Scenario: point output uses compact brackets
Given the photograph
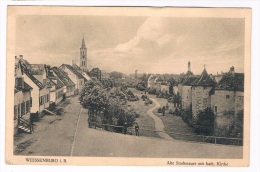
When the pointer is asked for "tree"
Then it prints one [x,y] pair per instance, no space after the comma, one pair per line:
[108,83]
[105,105]
[238,125]
[95,72]
[116,75]
[204,123]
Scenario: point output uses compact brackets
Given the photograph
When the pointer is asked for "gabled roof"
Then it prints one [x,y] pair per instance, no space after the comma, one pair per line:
[35,81]
[49,83]
[204,80]
[25,67]
[78,75]
[231,82]
[63,77]
[57,84]
[189,80]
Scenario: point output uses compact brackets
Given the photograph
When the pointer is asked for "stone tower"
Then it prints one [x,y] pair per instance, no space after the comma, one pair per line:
[189,70]
[83,56]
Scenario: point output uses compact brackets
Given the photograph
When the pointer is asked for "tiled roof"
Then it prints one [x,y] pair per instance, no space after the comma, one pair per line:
[204,80]
[25,65]
[231,82]
[79,75]
[59,83]
[63,77]
[189,80]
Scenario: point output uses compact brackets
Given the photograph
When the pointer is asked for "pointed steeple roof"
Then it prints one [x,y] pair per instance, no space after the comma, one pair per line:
[204,80]
[83,43]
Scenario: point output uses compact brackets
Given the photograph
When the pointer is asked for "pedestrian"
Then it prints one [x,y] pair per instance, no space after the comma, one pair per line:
[163,110]
[136,129]
[125,127]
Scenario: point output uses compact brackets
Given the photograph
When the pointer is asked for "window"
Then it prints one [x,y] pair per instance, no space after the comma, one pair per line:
[41,100]
[205,101]
[47,98]
[22,108]
[27,106]
[15,112]
[19,110]
[30,101]
[227,96]
[216,109]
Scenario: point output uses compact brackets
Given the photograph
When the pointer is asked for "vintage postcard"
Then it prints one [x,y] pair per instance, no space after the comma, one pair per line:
[131,86]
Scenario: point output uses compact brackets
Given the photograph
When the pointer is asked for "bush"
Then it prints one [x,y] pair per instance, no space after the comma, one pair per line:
[144,97]
[187,116]
[159,110]
[204,123]
[152,91]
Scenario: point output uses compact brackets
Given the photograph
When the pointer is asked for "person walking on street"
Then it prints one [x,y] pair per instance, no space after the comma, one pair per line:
[136,129]
[125,127]
[163,110]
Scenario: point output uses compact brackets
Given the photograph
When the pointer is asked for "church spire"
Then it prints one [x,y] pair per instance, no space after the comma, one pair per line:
[83,42]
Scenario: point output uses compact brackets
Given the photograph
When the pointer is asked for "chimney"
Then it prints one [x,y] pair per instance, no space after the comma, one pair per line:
[21,56]
[232,70]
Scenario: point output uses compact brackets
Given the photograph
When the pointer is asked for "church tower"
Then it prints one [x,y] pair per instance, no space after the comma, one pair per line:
[83,56]
[189,72]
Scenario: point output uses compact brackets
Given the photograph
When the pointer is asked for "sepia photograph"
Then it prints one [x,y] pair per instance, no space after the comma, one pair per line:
[128,86]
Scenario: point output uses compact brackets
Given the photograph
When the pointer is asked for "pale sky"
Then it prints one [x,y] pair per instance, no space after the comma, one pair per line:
[126,44]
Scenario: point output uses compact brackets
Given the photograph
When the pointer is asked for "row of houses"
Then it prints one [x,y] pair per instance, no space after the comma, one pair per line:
[37,86]
[222,93]
[160,85]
